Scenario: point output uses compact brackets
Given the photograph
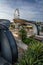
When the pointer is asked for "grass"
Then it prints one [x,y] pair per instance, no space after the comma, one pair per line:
[33,55]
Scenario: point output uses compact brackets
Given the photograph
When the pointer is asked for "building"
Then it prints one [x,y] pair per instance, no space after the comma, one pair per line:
[32,27]
[29,26]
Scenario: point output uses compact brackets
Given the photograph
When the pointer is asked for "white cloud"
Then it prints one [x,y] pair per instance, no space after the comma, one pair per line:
[28,10]
[6,12]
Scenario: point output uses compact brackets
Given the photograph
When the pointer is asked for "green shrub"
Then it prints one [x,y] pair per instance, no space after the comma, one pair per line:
[34,54]
[29,40]
[23,34]
[12,26]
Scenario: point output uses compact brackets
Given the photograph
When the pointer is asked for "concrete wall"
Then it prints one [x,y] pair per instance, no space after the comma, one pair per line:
[34,29]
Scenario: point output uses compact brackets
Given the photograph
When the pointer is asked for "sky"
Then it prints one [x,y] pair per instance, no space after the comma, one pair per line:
[29,9]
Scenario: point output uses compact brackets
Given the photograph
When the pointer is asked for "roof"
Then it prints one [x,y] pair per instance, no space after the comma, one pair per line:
[23,21]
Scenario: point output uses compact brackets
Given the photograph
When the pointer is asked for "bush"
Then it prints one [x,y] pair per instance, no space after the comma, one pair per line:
[23,34]
[29,40]
[12,26]
[34,54]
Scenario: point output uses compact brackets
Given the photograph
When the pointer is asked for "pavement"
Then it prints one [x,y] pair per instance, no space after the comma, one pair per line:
[19,42]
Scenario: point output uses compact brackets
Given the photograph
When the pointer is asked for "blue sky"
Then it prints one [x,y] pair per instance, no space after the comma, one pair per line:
[29,9]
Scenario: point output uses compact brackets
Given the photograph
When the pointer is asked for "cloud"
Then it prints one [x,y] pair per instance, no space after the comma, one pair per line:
[29,9]
[6,12]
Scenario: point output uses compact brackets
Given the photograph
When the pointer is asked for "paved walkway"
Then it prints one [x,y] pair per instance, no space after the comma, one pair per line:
[21,46]
[19,42]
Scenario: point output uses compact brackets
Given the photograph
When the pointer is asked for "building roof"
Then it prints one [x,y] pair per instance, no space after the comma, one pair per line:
[23,21]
